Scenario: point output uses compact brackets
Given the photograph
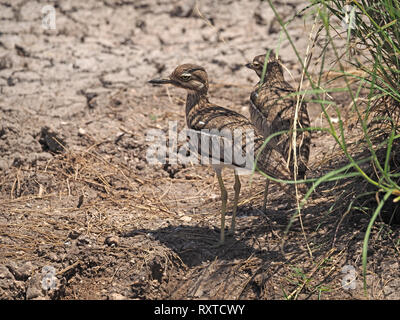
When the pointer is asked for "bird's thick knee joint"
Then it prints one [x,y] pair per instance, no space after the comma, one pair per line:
[224,194]
[237,186]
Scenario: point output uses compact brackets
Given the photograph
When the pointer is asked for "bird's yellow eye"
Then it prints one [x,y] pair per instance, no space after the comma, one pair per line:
[186,76]
[256,64]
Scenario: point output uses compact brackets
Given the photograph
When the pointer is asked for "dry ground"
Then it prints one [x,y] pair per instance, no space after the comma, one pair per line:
[106,224]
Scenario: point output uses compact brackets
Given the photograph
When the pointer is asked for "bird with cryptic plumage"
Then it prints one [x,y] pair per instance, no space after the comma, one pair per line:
[201,114]
[272,109]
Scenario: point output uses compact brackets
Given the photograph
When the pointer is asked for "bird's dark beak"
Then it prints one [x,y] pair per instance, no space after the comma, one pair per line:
[160,81]
[249,65]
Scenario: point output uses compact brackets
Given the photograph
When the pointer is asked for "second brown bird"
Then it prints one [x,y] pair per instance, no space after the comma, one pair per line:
[273,110]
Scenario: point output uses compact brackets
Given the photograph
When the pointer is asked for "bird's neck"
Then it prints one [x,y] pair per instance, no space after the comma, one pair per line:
[194,102]
[277,79]
[273,76]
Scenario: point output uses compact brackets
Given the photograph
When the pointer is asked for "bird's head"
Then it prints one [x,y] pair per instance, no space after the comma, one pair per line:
[274,65]
[187,76]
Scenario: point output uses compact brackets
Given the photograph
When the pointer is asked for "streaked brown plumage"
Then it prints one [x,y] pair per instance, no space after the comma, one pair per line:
[271,110]
[202,114]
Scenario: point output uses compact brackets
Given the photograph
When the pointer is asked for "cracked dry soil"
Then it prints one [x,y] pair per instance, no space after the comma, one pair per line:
[82,213]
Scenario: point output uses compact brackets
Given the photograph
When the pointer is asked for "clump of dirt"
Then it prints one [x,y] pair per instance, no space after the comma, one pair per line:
[83,215]
[50,141]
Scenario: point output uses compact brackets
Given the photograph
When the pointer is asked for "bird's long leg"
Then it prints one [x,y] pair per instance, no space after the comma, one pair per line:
[224,198]
[236,187]
[265,196]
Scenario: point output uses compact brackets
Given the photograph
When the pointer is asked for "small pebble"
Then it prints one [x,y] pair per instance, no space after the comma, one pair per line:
[81,131]
[112,241]
[186,219]
[116,296]
[73,234]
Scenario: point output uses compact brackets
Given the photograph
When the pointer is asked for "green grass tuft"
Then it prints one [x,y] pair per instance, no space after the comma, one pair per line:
[364,38]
